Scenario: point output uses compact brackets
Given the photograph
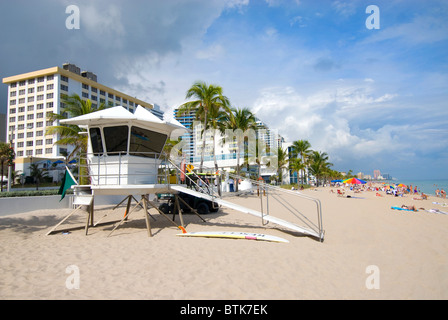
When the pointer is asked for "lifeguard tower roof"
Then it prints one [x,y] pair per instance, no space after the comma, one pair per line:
[125,148]
[116,115]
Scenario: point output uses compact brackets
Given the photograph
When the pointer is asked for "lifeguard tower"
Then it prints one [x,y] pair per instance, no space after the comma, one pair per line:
[125,153]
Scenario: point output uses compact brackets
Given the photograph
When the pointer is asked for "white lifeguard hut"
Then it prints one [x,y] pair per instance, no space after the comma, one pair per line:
[125,148]
[124,156]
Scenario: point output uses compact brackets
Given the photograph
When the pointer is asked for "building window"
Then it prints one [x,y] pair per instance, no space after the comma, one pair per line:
[40,79]
[30,90]
[39,142]
[48,141]
[30,117]
[64,87]
[40,88]
[39,133]
[102,92]
[64,78]
[29,152]
[22,92]
[31,99]
[49,104]
[12,93]
[50,77]
[50,86]
[31,81]
[13,110]
[29,134]
[85,86]
[38,151]
[14,85]
[20,135]
[12,102]
[22,83]
[12,119]
[20,144]
[40,106]
[39,125]
[94,89]
[21,118]
[49,95]
[30,108]
[20,153]
[48,150]
[21,109]
[22,100]
[85,95]
[40,97]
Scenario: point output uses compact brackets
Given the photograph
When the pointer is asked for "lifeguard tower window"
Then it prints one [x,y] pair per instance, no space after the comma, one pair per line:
[95,139]
[116,139]
[146,143]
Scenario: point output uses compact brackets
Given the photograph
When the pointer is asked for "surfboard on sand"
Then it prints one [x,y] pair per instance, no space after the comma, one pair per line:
[233,235]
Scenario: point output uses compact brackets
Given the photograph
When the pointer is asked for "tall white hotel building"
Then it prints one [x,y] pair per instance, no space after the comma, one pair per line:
[33,95]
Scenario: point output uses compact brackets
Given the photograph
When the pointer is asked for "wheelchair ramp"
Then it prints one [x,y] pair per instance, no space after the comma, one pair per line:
[243,209]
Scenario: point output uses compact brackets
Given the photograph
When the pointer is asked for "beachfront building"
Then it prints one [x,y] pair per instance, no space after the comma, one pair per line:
[224,148]
[34,95]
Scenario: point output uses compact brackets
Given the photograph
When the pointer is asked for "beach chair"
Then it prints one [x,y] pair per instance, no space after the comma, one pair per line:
[340,193]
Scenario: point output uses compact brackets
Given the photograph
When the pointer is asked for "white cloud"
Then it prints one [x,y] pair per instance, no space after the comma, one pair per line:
[212,52]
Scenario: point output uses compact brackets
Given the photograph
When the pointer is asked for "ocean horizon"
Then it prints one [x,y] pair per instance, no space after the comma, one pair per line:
[428,186]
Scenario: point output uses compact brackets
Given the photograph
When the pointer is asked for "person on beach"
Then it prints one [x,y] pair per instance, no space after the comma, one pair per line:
[231,185]
[443,194]
[437,192]
[409,207]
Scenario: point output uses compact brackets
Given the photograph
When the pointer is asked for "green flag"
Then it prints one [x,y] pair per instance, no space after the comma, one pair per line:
[67,182]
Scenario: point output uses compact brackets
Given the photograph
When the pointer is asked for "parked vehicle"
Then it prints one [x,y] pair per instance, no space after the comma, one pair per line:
[202,206]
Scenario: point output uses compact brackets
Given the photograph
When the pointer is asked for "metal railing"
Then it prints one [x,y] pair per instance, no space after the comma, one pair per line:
[267,190]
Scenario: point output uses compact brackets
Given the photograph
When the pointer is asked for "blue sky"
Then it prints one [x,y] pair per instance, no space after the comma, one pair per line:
[370,98]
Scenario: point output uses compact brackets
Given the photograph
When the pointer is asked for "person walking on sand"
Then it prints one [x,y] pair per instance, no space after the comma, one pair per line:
[437,192]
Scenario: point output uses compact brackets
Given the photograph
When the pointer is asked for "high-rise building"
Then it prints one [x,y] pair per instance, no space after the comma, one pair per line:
[34,95]
[376,174]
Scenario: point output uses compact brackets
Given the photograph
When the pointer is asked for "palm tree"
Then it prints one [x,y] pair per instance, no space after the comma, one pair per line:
[302,150]
[296,165]
[319,164]
[207,97]
[70,134]
[4,154]
[282,162]
[244,120]
[38,174]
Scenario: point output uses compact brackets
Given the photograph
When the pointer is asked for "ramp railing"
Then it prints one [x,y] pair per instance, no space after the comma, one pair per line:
[266,190]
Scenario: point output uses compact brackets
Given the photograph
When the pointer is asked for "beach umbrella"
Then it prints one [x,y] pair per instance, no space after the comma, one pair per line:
[338,180]
[354,181]
[402,185]
[73,161]
[58,161]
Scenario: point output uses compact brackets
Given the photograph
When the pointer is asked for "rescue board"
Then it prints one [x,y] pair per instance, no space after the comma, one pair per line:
[233,235]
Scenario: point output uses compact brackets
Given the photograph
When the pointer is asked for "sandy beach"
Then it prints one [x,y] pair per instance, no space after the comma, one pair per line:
[407,251]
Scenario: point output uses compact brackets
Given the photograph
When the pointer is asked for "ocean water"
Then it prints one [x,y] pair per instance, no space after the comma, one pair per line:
[426,186]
